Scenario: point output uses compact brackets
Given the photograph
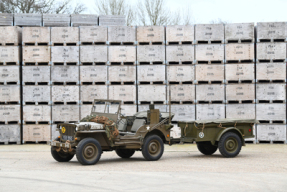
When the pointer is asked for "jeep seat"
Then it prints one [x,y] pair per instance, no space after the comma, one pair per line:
[122,125]
[137,124]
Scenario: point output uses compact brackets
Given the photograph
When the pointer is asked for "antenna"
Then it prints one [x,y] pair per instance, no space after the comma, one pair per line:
[169,92]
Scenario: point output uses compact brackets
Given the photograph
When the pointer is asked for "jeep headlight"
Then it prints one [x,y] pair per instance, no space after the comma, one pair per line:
[77,128]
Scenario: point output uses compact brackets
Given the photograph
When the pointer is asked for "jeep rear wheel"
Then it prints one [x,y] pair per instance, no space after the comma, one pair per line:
[89,151]
[230,144]
[125,153]
[206,148]
[61,156]
[152,148]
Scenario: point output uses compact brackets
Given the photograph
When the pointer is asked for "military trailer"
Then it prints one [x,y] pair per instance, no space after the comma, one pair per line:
[145,131]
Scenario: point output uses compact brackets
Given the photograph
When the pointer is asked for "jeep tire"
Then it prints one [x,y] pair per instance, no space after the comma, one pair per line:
[61,156]
[230,144]
[88,151]
[152,148]
[125,153]
[206,148]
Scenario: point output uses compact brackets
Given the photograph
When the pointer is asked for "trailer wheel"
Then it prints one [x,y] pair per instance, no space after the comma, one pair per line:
[89,151]
[61,156]
[125,153]
[152,148]
[206,148]
[230,144]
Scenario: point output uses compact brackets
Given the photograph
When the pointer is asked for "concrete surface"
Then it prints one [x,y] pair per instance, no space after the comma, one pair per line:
[181,168]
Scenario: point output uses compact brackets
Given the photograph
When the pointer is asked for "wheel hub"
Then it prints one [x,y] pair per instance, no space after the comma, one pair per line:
[90,152]
[231,145]
[154,147]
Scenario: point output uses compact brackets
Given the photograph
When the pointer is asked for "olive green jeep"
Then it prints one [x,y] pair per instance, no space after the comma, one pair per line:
[145,131]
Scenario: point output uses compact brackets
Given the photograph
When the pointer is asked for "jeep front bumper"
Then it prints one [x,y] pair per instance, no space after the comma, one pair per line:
[58,144]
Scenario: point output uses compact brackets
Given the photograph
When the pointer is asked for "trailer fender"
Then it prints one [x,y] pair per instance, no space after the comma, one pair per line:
[231,129]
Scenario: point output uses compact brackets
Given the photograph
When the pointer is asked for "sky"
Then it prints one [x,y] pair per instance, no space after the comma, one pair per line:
[233,11]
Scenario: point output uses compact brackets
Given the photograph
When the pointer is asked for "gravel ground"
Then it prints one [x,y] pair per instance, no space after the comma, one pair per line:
[182,168]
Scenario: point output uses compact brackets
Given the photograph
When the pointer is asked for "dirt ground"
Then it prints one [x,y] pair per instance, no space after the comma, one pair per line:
[260,167]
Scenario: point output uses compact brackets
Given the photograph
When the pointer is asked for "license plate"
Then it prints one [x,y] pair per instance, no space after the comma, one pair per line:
[66,137]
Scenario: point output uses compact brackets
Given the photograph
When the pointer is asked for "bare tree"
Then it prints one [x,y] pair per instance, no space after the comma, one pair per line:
[116,7]
[156,12]
[39,6]
[219,21]
[153,12]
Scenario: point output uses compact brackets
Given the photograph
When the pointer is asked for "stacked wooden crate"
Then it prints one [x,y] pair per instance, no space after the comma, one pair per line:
[271,82]
[27,19]
[180,73]
[93,66]
[56,20]
[10,112]
[151,68]
[36,84]
[240,71]
[122,67]
[6,19]
[209,71]
[84,20]
[112,20]
[65,91]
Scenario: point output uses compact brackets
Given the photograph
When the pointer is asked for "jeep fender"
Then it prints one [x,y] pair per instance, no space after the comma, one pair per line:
[230,129]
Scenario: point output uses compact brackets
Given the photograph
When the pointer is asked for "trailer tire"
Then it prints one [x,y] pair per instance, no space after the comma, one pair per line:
[230,144]
[61,156]
[125,153]
[152,148]
[206,148]
[88,151]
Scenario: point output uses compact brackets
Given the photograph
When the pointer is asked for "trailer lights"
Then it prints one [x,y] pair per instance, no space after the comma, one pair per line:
[249,130]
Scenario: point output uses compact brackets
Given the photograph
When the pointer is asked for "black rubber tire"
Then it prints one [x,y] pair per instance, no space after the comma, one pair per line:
[206,148]
[61,156]
[232,141]
[152,148]
[125,153]
[88,151]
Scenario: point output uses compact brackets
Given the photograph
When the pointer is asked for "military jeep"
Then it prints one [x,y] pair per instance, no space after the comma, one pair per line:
[145,131]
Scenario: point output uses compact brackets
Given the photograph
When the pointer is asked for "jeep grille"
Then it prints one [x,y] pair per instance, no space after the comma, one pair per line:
[69,133]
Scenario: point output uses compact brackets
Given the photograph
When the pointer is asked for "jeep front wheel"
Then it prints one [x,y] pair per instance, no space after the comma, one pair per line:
[125,153]
[152,148]
[206,148]
[89,151]
[61,156]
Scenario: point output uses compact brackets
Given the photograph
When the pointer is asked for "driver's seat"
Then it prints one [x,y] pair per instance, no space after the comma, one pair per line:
[136,125]
[122,125]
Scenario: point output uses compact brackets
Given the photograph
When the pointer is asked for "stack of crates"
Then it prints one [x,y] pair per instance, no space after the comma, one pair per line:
[151,68]
[65,91]
[122,68]
[240,71]
[93,66]
[10,111]
[271,82]
[36,84]
[180,73]
[209,71]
